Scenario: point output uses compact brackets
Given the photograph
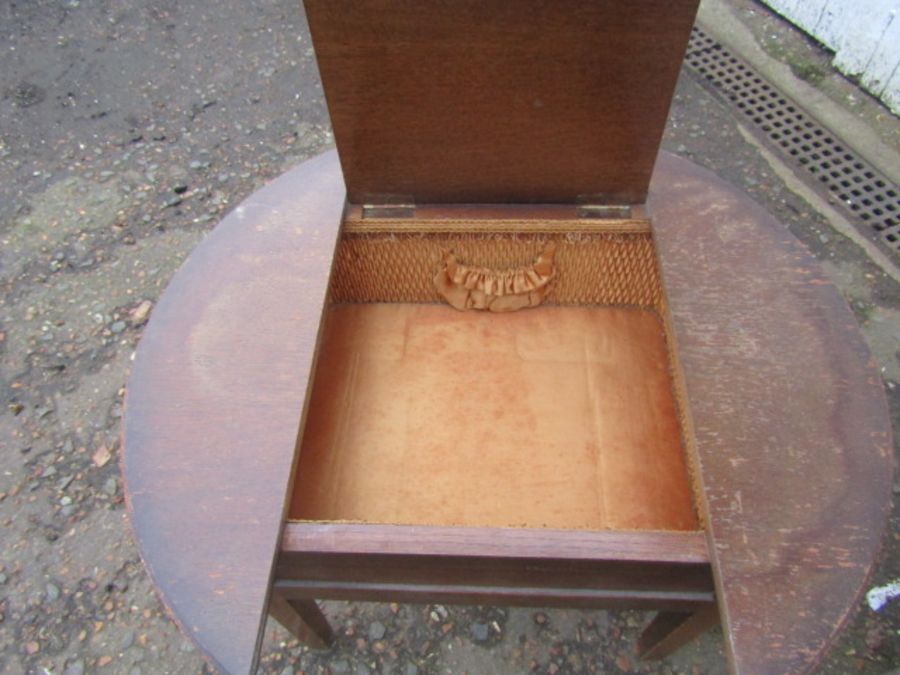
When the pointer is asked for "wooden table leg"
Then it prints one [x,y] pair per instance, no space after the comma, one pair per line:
[670,630]
[303,619]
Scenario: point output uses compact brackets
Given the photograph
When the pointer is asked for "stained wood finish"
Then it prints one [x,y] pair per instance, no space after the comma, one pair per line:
[499,581]
[505,566]
[214,405]
[669,631]
[502,101]
[303,619]
[512,595]
[788,416]
[635,547]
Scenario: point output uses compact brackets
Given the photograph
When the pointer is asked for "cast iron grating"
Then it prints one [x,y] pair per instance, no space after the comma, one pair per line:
[852,182]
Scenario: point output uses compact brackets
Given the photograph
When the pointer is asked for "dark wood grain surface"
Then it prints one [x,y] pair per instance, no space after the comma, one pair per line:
[502,101]
[502,566]
[788,414]
[628,546]
[214,405]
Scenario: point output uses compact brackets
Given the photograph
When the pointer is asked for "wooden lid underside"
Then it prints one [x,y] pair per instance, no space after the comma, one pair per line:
[503,101]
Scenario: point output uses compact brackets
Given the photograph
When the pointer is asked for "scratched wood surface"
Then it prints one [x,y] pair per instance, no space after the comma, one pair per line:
[501,101]
[788,414]
[215,402]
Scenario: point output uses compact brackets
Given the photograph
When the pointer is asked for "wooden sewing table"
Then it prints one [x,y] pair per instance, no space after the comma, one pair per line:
[691,423]
[788,419]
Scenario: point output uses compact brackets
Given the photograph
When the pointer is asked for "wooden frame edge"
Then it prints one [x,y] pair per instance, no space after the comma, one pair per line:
[688,547]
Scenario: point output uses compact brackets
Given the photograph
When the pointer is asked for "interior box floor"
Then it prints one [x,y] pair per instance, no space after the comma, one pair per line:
[558,417]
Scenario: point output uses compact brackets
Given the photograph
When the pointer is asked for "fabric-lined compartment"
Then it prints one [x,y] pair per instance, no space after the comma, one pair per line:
[558,417]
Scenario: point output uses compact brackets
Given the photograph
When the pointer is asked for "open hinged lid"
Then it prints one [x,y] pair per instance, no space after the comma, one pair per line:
[506,101]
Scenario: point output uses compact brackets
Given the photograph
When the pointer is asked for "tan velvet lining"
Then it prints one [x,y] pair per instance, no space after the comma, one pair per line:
[556,417]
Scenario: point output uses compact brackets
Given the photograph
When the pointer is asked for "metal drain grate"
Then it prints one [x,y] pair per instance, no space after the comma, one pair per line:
[855,184]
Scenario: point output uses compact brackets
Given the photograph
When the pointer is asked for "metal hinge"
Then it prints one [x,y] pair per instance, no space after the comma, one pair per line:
[389,211]
[389,206]
[609,211]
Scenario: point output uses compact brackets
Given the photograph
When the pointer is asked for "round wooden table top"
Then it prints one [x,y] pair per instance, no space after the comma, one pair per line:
[788,422]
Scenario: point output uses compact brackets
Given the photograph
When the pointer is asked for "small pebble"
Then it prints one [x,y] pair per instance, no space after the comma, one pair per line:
[376,630]
[75,668]
[140,313]
[479,632]
[52,592]
[110,487]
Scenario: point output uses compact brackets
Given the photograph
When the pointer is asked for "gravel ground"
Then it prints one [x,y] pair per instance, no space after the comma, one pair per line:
[127,129]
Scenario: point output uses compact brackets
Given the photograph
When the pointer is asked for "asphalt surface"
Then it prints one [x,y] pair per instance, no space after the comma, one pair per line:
[127,129]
